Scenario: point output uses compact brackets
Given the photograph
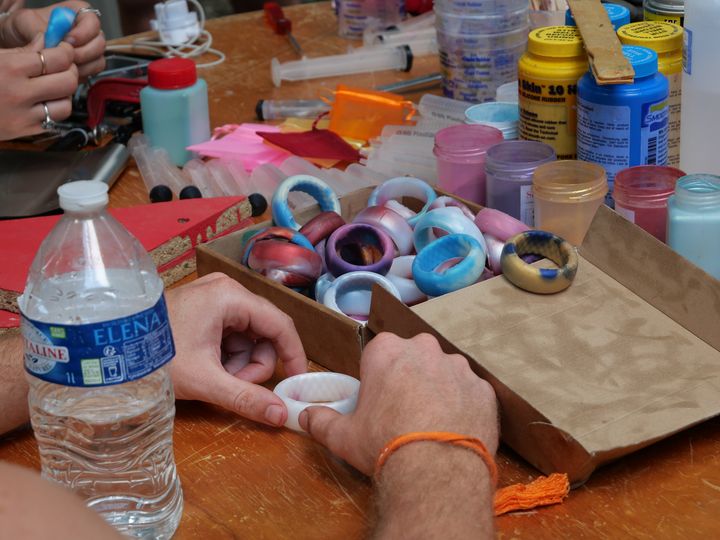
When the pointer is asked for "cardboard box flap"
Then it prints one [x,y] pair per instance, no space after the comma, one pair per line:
[655,273]
[602,369]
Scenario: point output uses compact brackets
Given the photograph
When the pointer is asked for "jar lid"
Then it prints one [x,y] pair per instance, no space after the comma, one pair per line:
[659,36]
[172,73]
[556,42]
[618,15]
[643,60]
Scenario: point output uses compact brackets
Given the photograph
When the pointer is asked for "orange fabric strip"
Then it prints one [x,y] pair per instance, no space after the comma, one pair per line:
[544,491]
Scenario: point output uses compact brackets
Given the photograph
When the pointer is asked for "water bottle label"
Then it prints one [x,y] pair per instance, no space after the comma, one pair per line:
[99,354]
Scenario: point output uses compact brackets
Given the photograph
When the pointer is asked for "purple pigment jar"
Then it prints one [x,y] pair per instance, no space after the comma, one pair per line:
[509,168]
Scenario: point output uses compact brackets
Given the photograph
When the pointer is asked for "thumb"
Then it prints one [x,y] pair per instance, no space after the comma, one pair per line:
[326,426]
[248,400]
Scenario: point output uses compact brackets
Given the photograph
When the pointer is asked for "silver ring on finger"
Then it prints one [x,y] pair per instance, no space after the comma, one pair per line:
[43,64]
[48,124]
[89,10]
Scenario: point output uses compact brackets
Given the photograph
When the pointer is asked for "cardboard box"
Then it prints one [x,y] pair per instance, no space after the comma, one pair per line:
[628,355]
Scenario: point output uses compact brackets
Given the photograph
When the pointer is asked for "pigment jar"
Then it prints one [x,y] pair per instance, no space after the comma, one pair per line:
[498,114]
[174,108]
[548,74]
[666,39]
[672,11]
[694,221]
[641,195]
[509,168]
[567,194]
[460,152]
[622,125]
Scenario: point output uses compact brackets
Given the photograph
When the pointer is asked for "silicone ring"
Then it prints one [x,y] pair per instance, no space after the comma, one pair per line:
[391,223]
[321,226]
[448,202]
[403,186]
[351,294]
[532,278]
[399,208]
[358,247]
[401,276]
[334,390]
[499,224]
[461,275]
[316,188]
[322,284]
[274,233]
[494,254]
[286,263]
[450,220]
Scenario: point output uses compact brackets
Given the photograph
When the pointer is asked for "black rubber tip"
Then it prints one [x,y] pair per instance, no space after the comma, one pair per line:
[160,194]
[190,192]
[258,109]
[258,203]
[410,58]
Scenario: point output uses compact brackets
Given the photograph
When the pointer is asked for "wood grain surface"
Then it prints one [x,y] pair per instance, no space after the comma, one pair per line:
[242,480]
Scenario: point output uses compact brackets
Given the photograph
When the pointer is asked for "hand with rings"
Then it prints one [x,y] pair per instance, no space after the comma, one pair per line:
[36,90]
[85,37]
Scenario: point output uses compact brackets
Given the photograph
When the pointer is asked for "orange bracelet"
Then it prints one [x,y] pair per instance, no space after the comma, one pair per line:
[543,491]
[471,443]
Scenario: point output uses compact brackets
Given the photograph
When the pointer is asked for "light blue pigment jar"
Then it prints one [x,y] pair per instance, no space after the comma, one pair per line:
[694,221]
[619,16]
[623,125]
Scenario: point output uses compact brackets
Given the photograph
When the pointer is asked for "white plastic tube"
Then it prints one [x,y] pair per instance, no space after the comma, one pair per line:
[442,108]
[374,59]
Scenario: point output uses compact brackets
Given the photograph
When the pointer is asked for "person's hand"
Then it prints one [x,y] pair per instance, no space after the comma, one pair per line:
[406,385]
[86,37]
[7,6]
[227,340]
[24,89]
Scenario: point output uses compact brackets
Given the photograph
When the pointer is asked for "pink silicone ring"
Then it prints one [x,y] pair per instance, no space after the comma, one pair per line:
[391,223]
[499,224]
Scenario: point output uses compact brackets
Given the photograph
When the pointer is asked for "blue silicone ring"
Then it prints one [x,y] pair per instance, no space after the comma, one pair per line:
[404,186]
[450,219]
[446,248]
[316,188]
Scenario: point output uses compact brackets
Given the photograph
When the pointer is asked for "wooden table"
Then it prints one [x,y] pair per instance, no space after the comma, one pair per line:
[242,480]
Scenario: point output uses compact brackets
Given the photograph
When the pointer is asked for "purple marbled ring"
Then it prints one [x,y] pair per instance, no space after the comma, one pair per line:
[359,247]
[391,223]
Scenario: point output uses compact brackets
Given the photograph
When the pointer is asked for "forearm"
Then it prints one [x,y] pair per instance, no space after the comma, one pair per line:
[24,496]
[433,490]
[13,385]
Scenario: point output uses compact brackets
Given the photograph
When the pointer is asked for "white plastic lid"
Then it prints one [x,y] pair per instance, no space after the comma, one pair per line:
[83,195]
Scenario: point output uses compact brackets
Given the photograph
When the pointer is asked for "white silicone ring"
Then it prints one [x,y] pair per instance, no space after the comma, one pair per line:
[333,390]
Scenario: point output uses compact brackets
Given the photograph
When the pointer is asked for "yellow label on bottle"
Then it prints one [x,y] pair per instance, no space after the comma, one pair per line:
[664,17]
[548,114]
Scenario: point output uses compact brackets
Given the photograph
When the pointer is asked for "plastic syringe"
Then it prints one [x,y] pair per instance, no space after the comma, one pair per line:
[272,109]
[375,59]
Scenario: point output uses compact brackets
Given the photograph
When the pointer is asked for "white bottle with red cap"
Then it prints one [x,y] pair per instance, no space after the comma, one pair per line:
[174,107]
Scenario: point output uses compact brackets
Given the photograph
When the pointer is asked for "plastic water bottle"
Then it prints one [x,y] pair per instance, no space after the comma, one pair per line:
[97,343]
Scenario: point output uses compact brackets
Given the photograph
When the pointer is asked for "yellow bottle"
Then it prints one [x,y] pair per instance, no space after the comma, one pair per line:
[548,74]
[666,39]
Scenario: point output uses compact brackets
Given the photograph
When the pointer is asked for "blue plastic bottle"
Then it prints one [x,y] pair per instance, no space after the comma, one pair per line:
[622,125]
[174,107]
[694,221]
[619,16]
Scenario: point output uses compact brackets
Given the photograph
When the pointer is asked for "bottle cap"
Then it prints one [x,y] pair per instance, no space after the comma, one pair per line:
[662,37]
[556,42]
[83,195]
[172,73]
[643,60]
